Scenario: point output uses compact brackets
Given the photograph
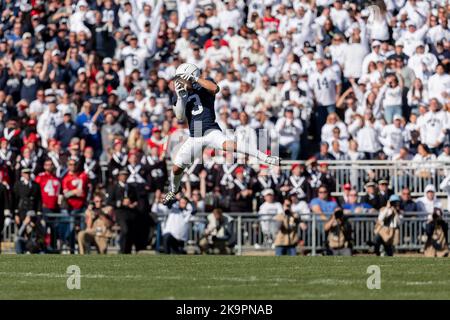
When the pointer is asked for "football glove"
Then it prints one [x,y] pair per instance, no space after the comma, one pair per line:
[180,89]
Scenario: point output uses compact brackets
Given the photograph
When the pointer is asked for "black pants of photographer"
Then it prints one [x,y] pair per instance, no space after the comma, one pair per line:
[127,220]
[172,245]
[388,248]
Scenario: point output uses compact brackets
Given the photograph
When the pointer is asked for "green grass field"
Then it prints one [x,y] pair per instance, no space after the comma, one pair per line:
[222,277]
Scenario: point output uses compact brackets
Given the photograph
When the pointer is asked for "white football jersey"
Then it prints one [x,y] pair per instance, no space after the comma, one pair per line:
[324,86]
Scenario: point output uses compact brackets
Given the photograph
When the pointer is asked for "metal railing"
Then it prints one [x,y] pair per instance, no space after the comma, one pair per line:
[412,174]
[256,232]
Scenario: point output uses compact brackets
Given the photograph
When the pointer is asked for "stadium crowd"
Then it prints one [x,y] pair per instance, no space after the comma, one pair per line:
[86,93]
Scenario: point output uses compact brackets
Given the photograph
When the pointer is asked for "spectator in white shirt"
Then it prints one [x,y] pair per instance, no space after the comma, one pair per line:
[439,85]
[354,55]
[367,138]
[429,201]
[217,54]
[432,125]
[392,136]
[391,94]
[340,16]
[267,211]
[289,130]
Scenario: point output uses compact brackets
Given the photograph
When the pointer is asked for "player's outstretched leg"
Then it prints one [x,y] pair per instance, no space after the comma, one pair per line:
[175,178]
[251,151]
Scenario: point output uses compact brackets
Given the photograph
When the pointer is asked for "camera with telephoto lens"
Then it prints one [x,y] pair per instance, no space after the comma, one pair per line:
[339,214]
[437,214]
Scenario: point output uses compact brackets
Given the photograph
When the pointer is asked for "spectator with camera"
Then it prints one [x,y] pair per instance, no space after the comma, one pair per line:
[218,233]
[98,227]
[287,236]
[436,231]
[339,234]
[31,235]
[387,227]
[175,227]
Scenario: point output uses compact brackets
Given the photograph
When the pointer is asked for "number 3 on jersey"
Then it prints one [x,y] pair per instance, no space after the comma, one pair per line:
[198,107]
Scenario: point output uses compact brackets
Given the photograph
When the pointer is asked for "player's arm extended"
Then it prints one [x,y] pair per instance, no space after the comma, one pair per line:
[209,85]
[179,108]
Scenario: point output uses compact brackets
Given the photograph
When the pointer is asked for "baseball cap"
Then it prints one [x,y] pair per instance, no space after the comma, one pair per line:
[26,35]
[376,43]
[266,192]
[394,198]
[347,186]
[130,99]
[397,117]
[370,184]
[399,43]
[81,70]
[107,60]
[56,52]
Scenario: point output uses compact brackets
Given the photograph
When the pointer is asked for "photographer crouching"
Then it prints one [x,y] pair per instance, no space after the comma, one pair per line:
[218,233]
[31,235]
[436,231]
[287,236]
[387,226]
[339,234]
[98,230]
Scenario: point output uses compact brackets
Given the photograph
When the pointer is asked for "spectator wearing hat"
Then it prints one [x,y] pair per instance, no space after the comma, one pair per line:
[157,140]
[353,206]
[428,201]
[267,211]
[217,53]
[242,192]
[372,197]
[347,187]
[324,177]
[123,199]
[384,191]
[298,182]
[387,227]
[112,80]
[26,196]
[373,56]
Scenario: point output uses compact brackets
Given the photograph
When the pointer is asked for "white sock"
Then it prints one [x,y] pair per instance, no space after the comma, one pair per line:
[175,180]
[251,151]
